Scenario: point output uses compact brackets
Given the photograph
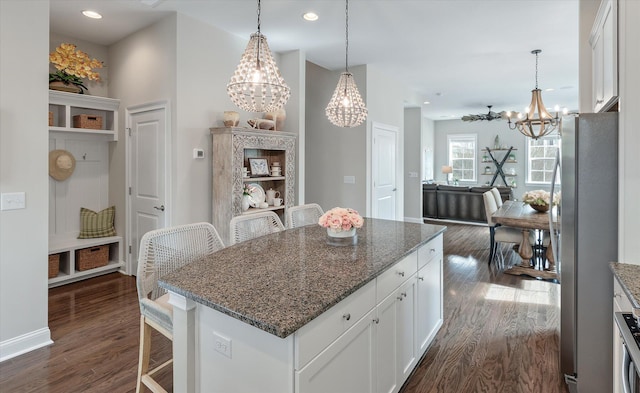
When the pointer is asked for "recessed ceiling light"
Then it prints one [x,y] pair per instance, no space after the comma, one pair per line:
[426,103]
[310,16]
[549,89]
[91,14]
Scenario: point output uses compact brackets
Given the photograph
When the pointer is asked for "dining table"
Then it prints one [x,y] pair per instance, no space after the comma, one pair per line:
[517,214]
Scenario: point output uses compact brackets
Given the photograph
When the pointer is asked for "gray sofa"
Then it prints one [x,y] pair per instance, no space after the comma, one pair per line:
[458,203]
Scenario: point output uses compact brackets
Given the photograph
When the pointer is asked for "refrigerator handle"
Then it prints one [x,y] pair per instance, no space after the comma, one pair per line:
[554,233]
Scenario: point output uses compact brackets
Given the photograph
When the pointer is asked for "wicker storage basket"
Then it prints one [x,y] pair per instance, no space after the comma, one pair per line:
[92,257]
[87,121]
[50,118]
[54,265]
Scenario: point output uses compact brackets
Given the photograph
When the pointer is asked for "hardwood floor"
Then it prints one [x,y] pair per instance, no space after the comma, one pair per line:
[500,333]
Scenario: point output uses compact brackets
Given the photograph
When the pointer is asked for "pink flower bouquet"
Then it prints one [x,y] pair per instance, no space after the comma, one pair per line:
[341,219]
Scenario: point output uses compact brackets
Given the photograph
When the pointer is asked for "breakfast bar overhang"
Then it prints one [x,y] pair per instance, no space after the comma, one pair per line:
[288,312]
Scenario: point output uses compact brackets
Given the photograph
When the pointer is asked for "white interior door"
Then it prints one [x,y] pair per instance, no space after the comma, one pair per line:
[383,171]
[147,132]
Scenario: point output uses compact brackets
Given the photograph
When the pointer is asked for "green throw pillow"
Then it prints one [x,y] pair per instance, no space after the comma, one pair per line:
[94,224]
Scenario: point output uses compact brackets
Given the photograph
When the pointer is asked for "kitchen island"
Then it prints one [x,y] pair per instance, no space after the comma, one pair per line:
[289,313]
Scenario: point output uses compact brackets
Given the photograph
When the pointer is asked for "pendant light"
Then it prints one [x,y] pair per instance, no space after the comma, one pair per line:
[346,108]
[532,126]
[256,85]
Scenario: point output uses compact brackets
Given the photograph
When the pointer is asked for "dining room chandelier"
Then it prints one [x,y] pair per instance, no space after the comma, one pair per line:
[346,108]
[256,85]
[531,125]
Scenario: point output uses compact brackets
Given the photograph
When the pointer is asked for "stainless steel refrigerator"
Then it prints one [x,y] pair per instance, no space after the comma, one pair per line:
[588,241]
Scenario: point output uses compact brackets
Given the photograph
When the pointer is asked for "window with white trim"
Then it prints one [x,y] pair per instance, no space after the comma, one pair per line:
[462,156]
[541,156]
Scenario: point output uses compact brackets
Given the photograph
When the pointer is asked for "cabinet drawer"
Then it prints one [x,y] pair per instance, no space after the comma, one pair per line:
[620,300]
[312,338]
[391,279]
[429,251]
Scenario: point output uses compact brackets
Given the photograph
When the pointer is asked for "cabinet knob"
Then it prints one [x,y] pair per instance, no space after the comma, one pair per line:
[402,295]
[401,274]
[421,278]
[376,320]
[432,250]
[347,316]
[161,208]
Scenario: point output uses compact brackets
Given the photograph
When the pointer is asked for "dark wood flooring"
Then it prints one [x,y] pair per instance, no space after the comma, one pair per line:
[500,333]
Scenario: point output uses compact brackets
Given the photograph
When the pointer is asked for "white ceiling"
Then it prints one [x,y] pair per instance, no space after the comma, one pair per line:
[461,55]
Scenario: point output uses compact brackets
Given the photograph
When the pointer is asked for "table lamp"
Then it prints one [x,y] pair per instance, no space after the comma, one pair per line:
[446,169]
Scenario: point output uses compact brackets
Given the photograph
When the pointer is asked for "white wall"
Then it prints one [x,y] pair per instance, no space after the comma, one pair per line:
[292,66]
[413,163]
[333,152]
[142,70]
[428,148]
[24,97]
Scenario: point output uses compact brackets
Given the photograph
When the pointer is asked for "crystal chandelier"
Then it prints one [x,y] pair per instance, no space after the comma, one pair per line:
[346,108]
[532,126]
[256,85]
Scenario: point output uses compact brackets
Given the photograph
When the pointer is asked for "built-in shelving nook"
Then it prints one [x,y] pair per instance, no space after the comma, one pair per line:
[87,187]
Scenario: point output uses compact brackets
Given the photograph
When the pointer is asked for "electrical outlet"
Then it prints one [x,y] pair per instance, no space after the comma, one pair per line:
[222,345]
[413,174]
[350,180]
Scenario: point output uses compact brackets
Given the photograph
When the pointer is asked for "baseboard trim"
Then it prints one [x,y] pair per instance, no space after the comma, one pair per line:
[25,343]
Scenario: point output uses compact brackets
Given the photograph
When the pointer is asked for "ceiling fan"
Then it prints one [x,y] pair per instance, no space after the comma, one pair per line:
[491,115]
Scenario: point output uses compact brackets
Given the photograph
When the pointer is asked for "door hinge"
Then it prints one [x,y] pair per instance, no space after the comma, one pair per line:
[129,129]
[129,190]
[129,249]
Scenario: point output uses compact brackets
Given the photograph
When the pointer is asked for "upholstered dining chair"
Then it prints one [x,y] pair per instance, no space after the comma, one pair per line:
[301,215]
[163,251]
[250,226]
[497,196]
[498,234]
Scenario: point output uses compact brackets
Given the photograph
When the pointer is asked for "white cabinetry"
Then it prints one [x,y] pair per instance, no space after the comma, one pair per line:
[328,371]
[620,304]
[87,187]
[604,56]
[384,345]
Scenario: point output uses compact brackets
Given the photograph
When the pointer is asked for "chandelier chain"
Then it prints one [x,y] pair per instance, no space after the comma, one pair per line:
[536,69]
[258,12]
[346,44]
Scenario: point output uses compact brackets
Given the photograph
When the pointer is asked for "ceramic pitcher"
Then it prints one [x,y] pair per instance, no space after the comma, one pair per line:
[271,194]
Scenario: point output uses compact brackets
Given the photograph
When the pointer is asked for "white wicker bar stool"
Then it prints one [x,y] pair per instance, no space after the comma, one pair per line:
[301,215]
[163,251]
[250,226]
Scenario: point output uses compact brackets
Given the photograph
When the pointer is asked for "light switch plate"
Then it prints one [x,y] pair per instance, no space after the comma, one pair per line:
[12,201]
[350,180]
[198,153]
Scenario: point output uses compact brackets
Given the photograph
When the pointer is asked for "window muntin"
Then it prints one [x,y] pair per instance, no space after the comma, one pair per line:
[463,157]
[541,155]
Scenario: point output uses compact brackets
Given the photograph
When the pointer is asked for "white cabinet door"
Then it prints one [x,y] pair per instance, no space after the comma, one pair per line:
[386,345]
[352,351]
[604,56]
[406,326]
[429,303]
[395,338]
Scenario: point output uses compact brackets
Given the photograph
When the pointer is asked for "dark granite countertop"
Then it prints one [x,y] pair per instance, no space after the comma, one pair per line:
[629,277]
[280,282]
